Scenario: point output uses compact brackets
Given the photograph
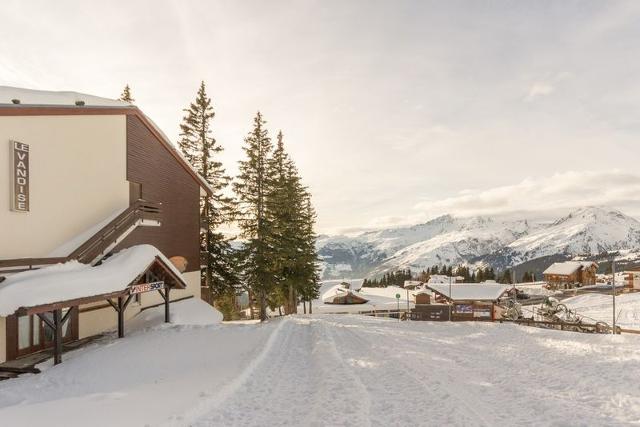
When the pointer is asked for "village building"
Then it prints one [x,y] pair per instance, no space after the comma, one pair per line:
[571,274]
[100,219]
[632,279]
[423,297]
[470,301]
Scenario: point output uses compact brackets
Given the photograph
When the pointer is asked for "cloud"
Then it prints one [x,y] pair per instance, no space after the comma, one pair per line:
[559,192]
[539,89]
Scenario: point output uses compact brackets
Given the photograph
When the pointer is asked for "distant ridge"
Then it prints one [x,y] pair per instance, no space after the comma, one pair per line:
[479,240]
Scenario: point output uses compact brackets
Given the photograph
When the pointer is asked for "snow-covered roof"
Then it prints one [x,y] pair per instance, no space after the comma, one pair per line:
[61,98]
[470,291]
[567,268]
[72,280]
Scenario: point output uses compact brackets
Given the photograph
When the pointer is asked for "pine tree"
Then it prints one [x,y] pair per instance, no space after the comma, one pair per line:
[283,207]
[252,188]
[202,151]
[126,95]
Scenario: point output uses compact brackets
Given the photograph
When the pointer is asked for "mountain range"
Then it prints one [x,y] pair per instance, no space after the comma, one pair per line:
[499,241]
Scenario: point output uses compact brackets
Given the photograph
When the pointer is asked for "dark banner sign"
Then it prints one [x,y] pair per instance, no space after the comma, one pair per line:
[146,287]
[20,176]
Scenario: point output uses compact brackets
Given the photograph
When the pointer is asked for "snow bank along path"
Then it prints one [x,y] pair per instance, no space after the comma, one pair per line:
[338,370]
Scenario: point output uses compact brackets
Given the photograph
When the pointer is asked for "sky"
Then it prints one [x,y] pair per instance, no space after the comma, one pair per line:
[394,111]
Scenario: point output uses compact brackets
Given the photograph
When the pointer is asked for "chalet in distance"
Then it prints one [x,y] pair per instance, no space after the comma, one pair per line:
[571,274]
[91,183]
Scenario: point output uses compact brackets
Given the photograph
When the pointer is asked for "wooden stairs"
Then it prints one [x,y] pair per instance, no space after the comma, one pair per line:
[139,213]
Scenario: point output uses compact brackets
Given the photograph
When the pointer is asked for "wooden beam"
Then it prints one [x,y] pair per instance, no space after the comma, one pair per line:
[57,338]
[44,308]
[47,321]
[166,305]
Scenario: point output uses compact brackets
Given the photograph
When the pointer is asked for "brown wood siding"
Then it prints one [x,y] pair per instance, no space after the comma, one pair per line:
[12,337]
[164,180]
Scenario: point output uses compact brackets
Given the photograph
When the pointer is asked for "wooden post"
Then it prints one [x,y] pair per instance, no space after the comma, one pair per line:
[120,311]
[57,337]
[166,304]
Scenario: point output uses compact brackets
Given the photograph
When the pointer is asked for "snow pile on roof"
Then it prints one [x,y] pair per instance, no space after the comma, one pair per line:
[73,279]
[471,292]
[334,291]
[45,97]
[567,268]
[192,311]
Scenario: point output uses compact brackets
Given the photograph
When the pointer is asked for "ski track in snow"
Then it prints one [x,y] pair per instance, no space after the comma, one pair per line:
[355,371]
[302,378]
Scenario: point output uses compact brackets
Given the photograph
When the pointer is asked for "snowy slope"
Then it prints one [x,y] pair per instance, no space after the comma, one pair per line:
[598,307]
[326,370]
[499,241]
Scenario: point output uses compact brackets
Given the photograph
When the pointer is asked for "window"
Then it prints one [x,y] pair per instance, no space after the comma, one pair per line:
[24,332]
[34,334]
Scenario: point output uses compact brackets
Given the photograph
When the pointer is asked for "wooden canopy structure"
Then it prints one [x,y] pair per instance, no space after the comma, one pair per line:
[157,276]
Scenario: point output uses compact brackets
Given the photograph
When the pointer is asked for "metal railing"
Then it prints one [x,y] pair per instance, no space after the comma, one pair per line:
[96,245]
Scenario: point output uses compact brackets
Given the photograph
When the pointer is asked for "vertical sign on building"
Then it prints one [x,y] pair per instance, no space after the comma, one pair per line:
[20,176]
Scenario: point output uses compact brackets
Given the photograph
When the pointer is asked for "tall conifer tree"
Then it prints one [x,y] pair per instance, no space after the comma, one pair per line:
[252,187]
[202,150]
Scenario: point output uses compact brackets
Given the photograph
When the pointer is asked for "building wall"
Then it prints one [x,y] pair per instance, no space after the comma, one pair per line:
[77,179]
[164,180]
[588,276]
[105,318]
[3,339]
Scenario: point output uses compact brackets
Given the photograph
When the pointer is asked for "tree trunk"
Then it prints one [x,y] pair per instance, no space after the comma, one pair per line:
[290,301]
[263,306]
[310,309]
[295,302]
[304,306]
[251,311]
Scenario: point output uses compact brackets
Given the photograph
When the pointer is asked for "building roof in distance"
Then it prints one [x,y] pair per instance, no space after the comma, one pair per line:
[470,291]
[567,268]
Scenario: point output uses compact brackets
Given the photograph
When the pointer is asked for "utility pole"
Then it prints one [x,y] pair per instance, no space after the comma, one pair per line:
[613,286]
[450,300]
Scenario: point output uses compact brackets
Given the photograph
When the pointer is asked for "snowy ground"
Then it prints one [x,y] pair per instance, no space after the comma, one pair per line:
[600,307]
[336,370]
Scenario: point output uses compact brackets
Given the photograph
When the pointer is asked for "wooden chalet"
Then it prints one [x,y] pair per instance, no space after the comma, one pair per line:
[571,274]
[346,298]
[82,180]
[472,301]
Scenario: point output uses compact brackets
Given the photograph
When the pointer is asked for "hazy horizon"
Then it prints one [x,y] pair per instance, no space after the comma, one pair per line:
[395,112]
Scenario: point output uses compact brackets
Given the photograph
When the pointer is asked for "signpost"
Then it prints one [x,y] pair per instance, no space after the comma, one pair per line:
[398,300]
[19,176]
[146,287]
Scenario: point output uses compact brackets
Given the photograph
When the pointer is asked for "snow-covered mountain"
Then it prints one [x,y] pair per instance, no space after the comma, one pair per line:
[499,241]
